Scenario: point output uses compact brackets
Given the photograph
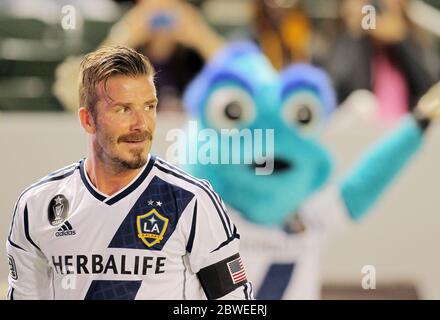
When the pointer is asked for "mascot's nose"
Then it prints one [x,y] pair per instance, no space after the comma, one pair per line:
[279,165]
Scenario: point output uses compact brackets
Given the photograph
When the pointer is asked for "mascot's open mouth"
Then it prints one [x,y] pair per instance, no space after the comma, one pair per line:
[278,165]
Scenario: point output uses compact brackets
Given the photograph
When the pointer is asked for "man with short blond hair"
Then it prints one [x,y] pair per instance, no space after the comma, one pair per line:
[121,223]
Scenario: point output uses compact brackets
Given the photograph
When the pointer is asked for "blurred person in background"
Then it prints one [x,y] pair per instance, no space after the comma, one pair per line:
[283,31]
[388,60]
[172,33]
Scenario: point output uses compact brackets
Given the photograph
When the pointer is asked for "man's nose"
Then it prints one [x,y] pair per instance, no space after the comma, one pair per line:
[139,121]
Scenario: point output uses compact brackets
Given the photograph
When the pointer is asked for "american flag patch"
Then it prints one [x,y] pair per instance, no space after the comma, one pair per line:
[236,270]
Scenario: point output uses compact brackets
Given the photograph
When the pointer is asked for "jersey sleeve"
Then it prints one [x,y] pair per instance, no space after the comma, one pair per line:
[29,272]
[213,250]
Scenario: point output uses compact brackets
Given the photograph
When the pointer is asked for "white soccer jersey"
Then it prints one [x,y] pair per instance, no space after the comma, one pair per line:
[284,264]
[166,235]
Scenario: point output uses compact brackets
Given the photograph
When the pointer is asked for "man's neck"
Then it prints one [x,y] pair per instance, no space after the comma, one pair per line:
[105,179]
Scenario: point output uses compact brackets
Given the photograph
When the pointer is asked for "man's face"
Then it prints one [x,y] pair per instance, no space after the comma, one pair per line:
[125,119]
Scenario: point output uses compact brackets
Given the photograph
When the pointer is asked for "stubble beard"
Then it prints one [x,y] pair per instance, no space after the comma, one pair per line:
[105,152]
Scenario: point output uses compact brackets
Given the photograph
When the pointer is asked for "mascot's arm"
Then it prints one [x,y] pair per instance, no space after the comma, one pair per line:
[369,179]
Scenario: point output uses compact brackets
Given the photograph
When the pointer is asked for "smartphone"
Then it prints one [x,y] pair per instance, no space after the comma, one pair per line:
[162,20]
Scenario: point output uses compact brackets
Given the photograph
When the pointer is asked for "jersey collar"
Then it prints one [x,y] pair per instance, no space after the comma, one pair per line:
[123,192]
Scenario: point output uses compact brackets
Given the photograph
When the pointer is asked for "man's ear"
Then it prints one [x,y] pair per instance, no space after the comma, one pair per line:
[86,120]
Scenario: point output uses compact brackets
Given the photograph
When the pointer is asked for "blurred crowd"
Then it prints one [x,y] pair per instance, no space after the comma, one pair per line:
[397,61]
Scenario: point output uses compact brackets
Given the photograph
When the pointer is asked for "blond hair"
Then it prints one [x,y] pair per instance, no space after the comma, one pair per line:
[98,66]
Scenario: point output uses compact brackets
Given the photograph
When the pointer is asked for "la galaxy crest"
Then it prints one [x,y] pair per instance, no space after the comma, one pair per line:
[151,227]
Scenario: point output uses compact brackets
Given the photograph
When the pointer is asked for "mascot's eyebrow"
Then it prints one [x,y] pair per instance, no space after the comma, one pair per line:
[233,77]
[309,77]
[293,86]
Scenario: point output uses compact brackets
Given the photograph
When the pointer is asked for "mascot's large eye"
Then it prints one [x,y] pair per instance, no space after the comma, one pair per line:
[303,111]
[230,107]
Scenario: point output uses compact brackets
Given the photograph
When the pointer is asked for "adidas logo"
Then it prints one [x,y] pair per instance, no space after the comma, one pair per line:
[65,230]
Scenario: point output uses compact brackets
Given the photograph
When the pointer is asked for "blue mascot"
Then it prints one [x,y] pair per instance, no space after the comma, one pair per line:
[278,195]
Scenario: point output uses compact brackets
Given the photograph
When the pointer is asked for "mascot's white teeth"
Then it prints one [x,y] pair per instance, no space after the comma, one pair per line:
[276,165]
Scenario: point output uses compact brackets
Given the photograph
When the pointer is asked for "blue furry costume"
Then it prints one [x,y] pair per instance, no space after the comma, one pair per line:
[282,217]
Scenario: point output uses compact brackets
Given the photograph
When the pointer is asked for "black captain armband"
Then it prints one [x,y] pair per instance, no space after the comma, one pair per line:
[422,121]
[222,277]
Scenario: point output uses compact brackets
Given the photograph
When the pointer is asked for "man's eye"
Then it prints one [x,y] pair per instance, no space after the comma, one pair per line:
[150,107]
[122,109]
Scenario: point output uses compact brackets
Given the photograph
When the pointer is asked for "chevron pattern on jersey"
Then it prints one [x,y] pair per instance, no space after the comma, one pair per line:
[173,200]
[113,290]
